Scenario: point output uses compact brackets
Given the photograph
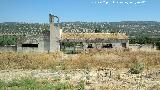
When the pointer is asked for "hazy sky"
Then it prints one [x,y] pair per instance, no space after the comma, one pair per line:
[79,10]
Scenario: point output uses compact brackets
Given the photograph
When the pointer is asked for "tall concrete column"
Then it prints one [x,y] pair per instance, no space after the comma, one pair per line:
[54,35]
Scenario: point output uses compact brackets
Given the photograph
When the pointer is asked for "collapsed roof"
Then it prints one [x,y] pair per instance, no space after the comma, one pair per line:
[94,36]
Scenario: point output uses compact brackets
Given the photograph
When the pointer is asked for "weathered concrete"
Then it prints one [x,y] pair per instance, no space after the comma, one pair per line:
[54,36]
[8,48]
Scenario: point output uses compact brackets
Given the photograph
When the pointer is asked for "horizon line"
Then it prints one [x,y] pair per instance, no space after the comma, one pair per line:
[86,21]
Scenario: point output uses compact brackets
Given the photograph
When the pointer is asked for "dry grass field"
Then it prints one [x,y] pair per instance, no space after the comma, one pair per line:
[12,60]
[102,70]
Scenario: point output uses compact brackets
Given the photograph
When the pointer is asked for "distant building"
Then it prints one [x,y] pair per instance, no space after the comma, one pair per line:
[54,40]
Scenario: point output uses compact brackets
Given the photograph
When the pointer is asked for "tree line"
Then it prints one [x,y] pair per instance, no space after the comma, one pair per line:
[8,40]
[145,40]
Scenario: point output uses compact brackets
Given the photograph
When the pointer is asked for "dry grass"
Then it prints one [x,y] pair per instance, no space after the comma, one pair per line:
[114,60]
[109,59]
[91,36]
[13,60]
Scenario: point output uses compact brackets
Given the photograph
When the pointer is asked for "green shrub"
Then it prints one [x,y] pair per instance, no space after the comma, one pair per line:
[24,83]
[81,85]
[137,68]
[63,86]
[33,84]
[2,84]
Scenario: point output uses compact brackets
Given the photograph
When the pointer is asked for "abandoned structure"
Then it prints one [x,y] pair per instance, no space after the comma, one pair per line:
[54,40]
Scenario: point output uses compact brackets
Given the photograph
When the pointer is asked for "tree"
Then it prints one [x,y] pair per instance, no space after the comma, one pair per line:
[158,43]
[97,30]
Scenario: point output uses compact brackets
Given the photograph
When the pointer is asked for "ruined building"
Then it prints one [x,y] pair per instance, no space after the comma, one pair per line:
[54,40]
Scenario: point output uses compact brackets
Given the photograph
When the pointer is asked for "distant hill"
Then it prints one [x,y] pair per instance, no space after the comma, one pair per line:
[132,28]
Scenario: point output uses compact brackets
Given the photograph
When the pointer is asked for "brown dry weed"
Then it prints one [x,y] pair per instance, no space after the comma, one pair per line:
[58,60]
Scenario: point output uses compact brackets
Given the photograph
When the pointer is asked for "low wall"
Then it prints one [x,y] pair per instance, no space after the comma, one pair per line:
[8,48]
[138,47]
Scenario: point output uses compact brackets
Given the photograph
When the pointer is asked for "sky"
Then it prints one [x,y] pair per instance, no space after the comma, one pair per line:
[36,11]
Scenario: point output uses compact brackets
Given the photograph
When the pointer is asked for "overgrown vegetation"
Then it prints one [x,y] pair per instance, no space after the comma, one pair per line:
[81,85]
[34,84]
[71,44]
[8,40]
[93,59]
[145,40]
[137,68]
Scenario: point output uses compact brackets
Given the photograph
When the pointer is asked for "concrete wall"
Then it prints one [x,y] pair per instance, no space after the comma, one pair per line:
[8,48]
[138,47]
[27,49]
[46,40]
[43,41]
[41,45]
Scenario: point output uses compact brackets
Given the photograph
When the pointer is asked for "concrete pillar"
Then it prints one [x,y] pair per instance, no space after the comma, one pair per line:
[54,35]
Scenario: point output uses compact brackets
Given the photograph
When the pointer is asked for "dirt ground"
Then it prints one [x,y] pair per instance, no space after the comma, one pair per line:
[94,79]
